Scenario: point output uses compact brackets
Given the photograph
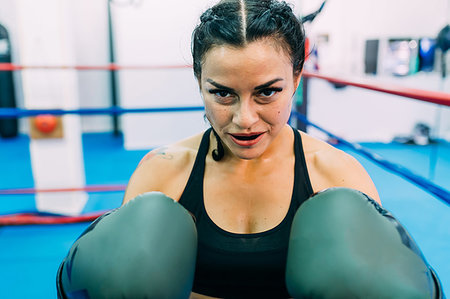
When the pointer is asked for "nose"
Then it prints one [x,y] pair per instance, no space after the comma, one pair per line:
[246,114]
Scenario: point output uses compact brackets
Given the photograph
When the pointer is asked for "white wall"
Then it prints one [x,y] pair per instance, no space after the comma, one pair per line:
[361,115]
[41,33]
[158,33]
[348,23]
[90,30]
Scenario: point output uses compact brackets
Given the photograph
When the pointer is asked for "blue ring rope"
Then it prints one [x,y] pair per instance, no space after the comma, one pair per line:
[17,112]
[425,184]
[395,168]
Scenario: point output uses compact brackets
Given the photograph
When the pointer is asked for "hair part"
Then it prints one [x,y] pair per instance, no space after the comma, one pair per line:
[243,18]
[239,22]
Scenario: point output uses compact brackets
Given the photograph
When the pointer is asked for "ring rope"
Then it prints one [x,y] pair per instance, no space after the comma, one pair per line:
[430,96]
[436,97]
[88,189]
[18,112]
[36,218]
[397,169]
[107,67]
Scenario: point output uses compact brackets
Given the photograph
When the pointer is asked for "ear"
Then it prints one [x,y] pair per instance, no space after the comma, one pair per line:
[297,78]
[198,79]
[199,82]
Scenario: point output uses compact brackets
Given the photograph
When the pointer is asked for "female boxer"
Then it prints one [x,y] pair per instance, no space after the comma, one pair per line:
[212,214]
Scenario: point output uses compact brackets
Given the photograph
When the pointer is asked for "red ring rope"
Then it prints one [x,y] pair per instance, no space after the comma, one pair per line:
[436,97]
[36,219]
[108,67]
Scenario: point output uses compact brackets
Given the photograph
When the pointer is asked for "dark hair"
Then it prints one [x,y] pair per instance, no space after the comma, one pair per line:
[239,22]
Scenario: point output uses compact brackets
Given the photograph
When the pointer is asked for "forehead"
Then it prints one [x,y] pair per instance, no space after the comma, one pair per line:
[258,57]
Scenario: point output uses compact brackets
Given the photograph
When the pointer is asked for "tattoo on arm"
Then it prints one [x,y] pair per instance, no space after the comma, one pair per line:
[157,152]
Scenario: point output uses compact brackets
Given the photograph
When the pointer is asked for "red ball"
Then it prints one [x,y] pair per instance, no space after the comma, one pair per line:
[45,123]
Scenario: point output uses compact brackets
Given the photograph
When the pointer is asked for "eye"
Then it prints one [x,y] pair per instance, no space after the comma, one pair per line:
[222,94]
[269,92]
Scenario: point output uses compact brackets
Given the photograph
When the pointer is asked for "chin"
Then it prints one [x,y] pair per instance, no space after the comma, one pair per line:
[248,158]
[247,154]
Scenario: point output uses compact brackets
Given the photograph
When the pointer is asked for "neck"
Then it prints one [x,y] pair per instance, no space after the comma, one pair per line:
[280,146]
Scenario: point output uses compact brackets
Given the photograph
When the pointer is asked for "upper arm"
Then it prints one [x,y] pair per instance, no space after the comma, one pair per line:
[157,171]
[351,174]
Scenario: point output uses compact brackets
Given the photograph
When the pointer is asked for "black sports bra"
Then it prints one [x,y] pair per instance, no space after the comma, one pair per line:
[231,265]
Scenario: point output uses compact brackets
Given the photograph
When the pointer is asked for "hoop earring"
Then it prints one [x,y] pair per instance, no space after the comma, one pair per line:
[218,153]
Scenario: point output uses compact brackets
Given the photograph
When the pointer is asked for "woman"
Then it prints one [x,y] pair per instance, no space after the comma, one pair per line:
[243,180]
[248,58]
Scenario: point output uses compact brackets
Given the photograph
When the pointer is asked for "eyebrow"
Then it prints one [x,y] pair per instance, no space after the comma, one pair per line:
[212,82]
[262,86]
[265,85]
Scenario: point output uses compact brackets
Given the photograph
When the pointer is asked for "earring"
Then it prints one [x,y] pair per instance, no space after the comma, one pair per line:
[218,153]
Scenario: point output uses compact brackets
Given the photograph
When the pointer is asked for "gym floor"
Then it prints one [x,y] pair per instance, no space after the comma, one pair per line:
[30,255]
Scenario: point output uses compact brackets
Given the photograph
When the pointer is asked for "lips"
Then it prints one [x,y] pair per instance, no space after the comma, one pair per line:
[246,139]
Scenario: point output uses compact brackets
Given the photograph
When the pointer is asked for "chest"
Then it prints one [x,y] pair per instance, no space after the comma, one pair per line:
[248,202]
[252,266]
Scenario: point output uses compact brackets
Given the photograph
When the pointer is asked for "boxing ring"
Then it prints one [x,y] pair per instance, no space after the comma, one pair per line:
[33,243]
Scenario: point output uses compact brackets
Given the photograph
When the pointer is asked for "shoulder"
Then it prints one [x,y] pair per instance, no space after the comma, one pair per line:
[331,167]
[325,156]
[165,169]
